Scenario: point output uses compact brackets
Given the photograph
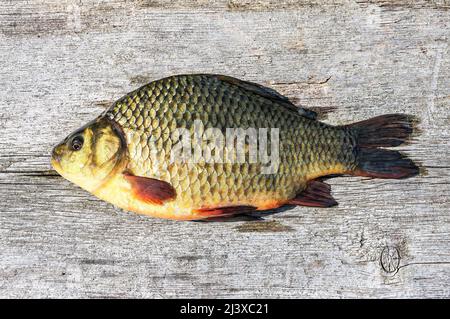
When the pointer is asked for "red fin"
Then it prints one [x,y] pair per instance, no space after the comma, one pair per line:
[316,194]
[380,163]
[385,130]
[224,211]
[150,190]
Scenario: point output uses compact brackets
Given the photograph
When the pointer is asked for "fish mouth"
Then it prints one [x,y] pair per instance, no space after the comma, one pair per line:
[55,159]
[55,164]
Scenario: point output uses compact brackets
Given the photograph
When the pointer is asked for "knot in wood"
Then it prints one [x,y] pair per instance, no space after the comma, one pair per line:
[390,259]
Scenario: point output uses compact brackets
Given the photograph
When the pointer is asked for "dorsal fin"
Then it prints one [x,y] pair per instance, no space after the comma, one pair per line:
[266,92]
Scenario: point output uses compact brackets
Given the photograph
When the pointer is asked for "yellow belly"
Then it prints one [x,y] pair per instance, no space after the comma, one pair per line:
[118,191]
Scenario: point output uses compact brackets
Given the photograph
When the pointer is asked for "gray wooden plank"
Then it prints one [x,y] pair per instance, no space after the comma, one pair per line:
[62,63]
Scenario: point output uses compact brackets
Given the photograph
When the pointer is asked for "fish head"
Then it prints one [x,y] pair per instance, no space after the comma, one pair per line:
[91,155]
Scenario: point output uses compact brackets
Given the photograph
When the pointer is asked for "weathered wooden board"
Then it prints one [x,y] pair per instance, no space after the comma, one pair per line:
[63,62]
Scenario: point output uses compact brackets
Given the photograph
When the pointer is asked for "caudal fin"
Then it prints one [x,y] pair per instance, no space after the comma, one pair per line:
[381,163]
[384,131]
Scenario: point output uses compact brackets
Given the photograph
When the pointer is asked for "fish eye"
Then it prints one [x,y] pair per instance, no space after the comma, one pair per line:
[77,143]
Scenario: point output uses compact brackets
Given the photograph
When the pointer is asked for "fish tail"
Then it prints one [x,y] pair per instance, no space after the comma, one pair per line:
[384,131]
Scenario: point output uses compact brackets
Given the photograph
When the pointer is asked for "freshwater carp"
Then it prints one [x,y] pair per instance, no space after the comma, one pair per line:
[193,147]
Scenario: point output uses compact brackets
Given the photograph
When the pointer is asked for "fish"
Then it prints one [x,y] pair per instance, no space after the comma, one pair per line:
[205,146]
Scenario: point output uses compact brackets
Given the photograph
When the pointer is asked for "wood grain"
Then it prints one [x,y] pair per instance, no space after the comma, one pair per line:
[63,62]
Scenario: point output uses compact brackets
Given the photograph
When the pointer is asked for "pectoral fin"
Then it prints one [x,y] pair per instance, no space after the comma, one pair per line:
[316,194]
[150,190]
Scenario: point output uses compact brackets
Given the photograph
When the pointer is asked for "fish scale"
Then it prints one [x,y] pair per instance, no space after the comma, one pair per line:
[155,110]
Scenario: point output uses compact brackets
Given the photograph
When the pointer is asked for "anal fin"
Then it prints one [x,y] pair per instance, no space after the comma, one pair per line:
[316,194]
